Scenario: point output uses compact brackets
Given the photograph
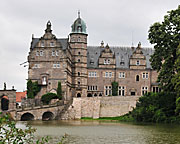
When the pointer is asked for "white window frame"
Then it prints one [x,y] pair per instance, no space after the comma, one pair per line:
[41,53]
[108,90]
[106,74]
[42,44]
[145,75]
[57,52]
[121,74]
[51,44]
[53,52]
[121,90]
[144,90]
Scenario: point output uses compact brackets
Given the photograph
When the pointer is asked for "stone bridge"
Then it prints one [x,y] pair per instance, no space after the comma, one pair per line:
[39,113]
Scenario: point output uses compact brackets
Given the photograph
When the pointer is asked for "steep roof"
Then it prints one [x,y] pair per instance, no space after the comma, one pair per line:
[63,41]
[20,95]
[121,54]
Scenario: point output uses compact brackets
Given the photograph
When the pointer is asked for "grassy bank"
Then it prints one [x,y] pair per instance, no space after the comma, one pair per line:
[125,118]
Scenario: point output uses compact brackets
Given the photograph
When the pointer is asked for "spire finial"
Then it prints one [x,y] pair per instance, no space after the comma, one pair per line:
[48,27]
[78,13]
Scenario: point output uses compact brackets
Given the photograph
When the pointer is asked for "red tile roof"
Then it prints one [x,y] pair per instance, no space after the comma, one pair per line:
[20,95]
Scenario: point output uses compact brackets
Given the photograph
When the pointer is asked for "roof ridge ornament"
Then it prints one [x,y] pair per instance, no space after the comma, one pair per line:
[78,13]
[48,27]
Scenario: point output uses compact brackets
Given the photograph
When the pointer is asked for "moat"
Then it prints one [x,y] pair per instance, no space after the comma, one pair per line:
[98,132]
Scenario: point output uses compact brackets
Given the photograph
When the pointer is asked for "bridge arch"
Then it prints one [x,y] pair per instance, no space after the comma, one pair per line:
[27,117]
[4,103]
[47,115]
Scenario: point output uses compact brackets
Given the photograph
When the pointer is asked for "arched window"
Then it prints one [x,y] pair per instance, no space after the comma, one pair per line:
[95,95]
[78,73]
[78,95]
[100,94]
[89,95]
[137,77]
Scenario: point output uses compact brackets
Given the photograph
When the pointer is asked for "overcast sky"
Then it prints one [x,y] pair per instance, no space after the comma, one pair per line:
[113,21]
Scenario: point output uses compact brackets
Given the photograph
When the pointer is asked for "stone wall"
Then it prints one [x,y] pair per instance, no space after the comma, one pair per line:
[96,107]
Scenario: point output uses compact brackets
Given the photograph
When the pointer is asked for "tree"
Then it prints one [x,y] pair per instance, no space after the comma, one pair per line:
[114,88]
[46,98]
[165,37]
[59,90]
[30,93]
[32,89]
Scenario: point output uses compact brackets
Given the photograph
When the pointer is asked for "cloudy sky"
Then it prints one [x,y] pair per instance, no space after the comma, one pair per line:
[113,21]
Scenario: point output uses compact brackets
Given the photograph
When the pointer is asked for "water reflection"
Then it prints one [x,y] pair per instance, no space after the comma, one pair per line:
[98,132]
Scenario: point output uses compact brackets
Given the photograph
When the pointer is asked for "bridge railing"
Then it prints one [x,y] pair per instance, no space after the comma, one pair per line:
[36,103]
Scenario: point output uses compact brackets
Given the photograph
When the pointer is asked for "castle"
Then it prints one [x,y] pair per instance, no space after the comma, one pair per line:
[88,71]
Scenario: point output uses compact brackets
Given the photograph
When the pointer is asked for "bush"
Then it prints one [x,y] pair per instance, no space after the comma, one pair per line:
[155,107]
[46,98]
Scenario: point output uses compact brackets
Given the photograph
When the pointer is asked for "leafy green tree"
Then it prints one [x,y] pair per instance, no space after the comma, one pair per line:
[114,88]
[176,80]
[165,37]
[36,88]
[30,93]
[59,90]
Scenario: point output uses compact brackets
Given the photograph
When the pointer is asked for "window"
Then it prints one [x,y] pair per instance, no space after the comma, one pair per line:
[51,44]
[106,61]
[108,90]
[133,93]
[156,89]
[137,77]
[108,74]
[122,75]
[41,53]
[79,53]
[79,39]
[78,73]
[56,65]
[57,53]
[137,62]
[145,76]
[44,80]
[36,66]
[53,53]
[121,91]
[92,74]
[79,60]
[144,90]
[42,44]
[37,53]
[121,63]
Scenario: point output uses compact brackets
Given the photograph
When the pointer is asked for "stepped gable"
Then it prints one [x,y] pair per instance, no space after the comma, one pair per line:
[122,55]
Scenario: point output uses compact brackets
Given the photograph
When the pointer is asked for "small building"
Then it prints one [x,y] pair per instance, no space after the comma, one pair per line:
[19,97]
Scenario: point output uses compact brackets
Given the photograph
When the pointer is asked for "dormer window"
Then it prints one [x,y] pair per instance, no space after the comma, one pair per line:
[137,62]
[42,44]
[121,63]
[107,61]
[51,44]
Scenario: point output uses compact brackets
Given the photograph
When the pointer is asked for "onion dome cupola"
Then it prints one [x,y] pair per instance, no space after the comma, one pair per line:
[79,26]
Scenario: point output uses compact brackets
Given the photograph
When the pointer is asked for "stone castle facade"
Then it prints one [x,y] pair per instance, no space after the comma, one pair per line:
[86,71]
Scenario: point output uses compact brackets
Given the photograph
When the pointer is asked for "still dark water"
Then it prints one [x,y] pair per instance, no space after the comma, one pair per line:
[96,132]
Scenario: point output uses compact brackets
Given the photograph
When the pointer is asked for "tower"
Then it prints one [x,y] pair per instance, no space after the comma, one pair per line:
[78,44]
